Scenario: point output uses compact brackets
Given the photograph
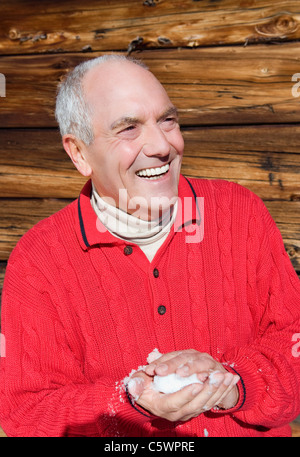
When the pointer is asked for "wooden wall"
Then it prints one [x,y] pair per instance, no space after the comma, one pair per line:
[228,65]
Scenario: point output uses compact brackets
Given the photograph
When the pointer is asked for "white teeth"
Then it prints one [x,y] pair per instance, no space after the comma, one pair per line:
[153,173]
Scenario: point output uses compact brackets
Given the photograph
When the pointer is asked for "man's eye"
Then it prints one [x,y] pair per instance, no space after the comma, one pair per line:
[129,132]
[170,122]
[130,127]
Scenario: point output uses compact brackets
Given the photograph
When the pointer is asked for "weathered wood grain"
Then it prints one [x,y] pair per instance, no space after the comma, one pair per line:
[287,218]
[2,273]
[33,164]
[265,159]
[221,85]
[53,26]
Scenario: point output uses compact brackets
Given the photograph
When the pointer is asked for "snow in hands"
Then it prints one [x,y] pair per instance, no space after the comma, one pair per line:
[170,383]
[173,382]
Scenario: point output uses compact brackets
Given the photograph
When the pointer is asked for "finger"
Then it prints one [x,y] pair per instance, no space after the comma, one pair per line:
[137,383]
[184,363]
[229,381]
[167,363]
[205,400]
[135,387]
[151,367]
[228,394]
[199,363]
[169,406]
[200,402]
[179,405]
[219,389]
[212,392]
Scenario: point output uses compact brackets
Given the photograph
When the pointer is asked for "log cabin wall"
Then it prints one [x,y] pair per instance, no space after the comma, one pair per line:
[231,67]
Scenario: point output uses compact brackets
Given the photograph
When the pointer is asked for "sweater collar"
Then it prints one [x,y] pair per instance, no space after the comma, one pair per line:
[129,227]
[91,231]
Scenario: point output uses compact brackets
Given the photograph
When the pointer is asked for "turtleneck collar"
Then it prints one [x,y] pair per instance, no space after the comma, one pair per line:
[128,227]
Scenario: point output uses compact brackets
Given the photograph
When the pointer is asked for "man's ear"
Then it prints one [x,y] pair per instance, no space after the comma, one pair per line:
[76,150]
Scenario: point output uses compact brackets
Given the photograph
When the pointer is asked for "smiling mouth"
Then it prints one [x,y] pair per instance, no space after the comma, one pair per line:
[153,173]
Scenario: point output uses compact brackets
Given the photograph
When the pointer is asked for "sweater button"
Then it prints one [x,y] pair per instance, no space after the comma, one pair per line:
[128,250]
[161,309]
[155,273]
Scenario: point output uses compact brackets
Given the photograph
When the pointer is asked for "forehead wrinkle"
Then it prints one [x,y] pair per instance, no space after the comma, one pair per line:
[126,120]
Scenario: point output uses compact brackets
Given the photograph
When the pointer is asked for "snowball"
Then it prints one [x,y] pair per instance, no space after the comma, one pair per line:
[154,355]
[173,382]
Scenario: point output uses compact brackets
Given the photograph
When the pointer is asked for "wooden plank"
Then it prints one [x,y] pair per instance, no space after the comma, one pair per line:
[264,159]
[34,164]
[222,85]
[52,26]
[2,273]
[287,218]
[18,216]
[257,157]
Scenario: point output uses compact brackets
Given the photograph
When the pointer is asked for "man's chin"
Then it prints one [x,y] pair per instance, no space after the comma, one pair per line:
[149,200]
[152,208]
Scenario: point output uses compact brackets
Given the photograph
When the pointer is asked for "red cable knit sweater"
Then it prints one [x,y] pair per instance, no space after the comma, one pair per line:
[80,311]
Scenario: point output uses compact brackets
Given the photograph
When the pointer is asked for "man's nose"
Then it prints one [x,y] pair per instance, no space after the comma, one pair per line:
[156,143]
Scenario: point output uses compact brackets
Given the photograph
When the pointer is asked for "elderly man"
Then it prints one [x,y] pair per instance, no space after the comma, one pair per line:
[122,317]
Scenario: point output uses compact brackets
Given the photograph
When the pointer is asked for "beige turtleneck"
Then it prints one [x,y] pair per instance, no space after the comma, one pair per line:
[148,235]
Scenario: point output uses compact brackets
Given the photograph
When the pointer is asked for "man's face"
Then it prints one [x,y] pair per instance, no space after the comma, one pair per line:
[138,145]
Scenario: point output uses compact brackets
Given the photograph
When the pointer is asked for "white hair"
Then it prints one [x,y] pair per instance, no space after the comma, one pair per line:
[72,111]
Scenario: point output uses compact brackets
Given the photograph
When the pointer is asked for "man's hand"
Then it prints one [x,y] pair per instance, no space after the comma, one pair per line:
[218,388]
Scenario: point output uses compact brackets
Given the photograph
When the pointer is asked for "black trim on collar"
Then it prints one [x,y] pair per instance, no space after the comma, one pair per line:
[82,225]
[196,220]
[192,221]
